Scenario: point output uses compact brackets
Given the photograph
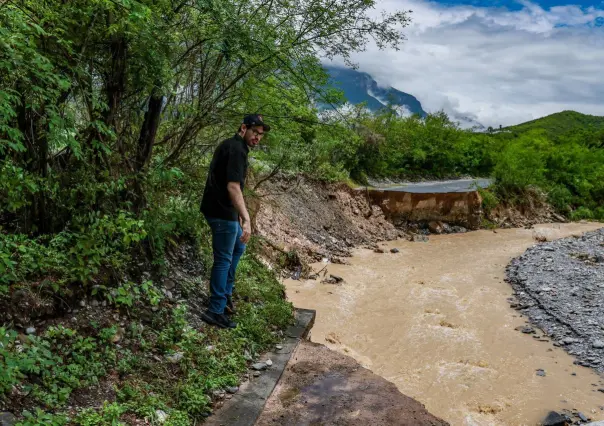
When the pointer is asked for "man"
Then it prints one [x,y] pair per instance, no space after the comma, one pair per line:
[224,208]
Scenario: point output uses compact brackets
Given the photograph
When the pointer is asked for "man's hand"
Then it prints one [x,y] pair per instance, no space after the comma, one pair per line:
[247,230]
[244,217]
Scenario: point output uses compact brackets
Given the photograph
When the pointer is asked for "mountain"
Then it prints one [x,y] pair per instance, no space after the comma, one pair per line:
[360,87]
[560,123]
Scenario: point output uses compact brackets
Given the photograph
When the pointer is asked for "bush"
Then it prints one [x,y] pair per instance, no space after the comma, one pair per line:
[582,213]
[489,200]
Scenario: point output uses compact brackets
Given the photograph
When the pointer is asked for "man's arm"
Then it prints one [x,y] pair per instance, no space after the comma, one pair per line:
[236,196]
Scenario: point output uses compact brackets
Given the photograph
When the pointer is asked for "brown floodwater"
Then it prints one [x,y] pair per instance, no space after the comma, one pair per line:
[434,319]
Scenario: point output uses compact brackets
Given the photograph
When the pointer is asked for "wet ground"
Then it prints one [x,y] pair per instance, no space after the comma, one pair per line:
[323,387]
[435,320]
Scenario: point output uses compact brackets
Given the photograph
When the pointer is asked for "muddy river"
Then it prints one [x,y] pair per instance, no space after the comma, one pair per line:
[434,319]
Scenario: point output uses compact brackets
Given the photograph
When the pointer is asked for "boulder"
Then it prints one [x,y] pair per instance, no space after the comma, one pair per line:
[554,419]
[436,227]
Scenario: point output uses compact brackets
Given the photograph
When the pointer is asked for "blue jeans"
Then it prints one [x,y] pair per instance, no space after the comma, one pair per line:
[228,249]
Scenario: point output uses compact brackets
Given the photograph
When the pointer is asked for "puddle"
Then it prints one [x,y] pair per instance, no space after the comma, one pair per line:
[434,319]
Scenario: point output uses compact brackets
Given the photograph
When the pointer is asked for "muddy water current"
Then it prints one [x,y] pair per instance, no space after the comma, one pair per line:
[434,319]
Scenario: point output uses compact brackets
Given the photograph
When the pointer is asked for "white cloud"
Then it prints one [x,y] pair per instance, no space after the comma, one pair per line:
[495,65]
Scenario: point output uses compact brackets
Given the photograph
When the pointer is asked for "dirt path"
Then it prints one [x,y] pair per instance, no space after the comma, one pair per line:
[435,320]
[323,387]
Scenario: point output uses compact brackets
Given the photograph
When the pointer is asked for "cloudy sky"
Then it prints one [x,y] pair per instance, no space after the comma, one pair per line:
[499,62]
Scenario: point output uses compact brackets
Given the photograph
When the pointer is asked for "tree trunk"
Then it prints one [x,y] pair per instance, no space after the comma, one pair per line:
[148,132]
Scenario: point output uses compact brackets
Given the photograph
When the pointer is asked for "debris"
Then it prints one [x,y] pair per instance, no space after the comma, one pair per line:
[259,366]
[333,279]
[161,416]
[175,358]
[436,227]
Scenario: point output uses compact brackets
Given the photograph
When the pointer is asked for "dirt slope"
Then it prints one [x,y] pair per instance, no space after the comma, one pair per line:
[319,220]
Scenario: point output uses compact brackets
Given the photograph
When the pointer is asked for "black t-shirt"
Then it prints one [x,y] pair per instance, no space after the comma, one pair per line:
[229,164]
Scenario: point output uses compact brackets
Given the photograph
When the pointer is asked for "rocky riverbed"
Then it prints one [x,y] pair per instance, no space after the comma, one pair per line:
[559,286]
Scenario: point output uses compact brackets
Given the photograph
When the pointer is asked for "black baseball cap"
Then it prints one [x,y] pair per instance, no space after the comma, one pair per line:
[255,120]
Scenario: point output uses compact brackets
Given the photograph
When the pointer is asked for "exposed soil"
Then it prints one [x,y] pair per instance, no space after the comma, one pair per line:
[321,387]
[535,209]
[319,220]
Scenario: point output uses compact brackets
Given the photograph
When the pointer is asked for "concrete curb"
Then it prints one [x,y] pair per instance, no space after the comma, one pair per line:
[247,404]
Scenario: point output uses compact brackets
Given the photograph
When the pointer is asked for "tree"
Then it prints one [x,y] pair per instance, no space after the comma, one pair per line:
[96,93]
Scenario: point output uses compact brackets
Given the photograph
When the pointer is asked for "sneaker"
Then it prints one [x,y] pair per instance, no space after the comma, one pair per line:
[230,306]
[220,320]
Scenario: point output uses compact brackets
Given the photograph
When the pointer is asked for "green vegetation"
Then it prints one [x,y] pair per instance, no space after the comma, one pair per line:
[109,112]
[568,167]
[562,123]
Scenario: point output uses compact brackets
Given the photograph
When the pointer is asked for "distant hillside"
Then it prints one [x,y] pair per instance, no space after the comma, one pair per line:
[561,123]
[359,87]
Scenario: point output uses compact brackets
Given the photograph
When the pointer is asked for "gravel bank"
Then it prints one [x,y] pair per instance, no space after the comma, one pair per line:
[559,285]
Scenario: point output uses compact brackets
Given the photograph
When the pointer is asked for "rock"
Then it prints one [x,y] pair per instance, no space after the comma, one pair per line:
[119,335]
[256,374]
[419,238]
[232,389]
[378,250]
[394,250]
[95,303]
[269,362]
[30,330]
[598,344]
[259,366]
[279,347]
[528,330]
[175,358]
[541,373]
[169,284]
[313,277]
[83,303]
[218,394]
[554,419]
[334,279]
[583,417]
[161,416]
[569,340]
[436,227]
[7,419]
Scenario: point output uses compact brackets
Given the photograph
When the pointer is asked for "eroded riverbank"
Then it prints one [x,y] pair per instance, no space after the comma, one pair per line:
[435,320]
